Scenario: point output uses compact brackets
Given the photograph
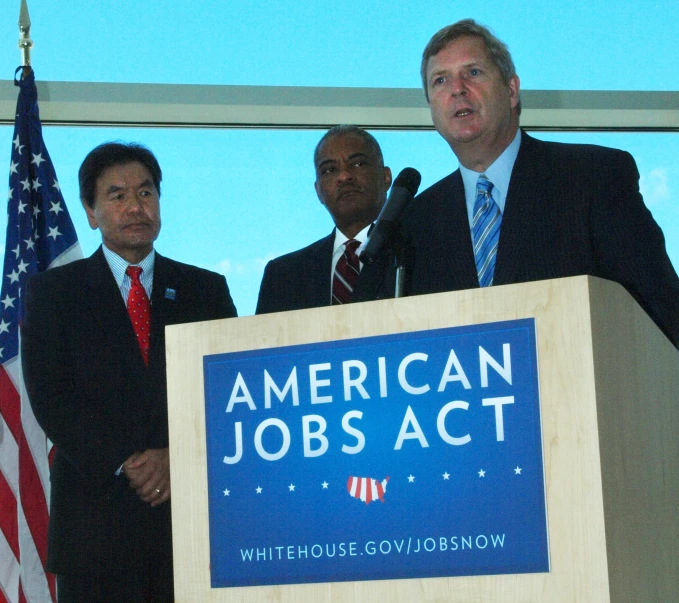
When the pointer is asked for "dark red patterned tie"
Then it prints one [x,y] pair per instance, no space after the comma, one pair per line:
[346,273]
[139,309]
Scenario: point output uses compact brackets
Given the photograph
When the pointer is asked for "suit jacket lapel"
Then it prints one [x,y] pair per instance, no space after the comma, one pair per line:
[165,308]
[523,207]
[317,273]
[105,304]
[463,272]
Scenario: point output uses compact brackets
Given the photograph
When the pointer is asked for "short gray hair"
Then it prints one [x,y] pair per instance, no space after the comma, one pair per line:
[497,49]
[344,129]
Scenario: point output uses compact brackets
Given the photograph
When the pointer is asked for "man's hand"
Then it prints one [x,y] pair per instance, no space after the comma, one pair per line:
[149,475]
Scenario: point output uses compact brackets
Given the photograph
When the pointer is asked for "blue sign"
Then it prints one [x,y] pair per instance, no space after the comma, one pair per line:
[399,456]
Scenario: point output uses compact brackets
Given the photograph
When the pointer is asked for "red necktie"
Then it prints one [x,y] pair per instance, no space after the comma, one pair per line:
[139,309]
[346,273]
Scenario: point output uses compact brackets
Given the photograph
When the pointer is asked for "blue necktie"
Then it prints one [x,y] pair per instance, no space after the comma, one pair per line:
[485,231]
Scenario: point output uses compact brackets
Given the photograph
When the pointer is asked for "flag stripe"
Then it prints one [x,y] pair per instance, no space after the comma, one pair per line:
[38,585]
[10,404]
[30,488]
[9,573]
[8,517]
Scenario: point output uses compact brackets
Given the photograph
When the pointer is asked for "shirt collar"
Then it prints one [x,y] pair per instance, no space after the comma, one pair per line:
[341,239]
[118,265]
[499,173]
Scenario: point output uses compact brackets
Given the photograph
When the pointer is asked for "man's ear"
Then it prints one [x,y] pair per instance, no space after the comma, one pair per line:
[514,89]
[90,215]
[387,178]
[318,192]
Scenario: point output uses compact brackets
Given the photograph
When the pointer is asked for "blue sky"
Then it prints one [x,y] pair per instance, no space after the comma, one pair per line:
[234,198]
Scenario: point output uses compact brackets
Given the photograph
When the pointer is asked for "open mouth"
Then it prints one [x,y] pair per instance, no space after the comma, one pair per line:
[463,112]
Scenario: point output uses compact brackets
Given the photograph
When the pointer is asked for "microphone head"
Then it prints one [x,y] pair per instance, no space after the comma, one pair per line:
[409,179]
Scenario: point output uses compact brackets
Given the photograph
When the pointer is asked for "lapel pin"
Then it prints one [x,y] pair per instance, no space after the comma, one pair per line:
[170,294]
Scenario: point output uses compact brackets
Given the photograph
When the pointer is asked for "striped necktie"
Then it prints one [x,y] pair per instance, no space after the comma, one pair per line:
[346,274]
[485,231]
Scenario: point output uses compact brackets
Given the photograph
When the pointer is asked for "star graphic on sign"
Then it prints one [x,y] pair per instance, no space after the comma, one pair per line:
[227,492]
[4,326]
[517,471]
[22,266]
[17,251]
[13,276]
[30,243]
[482,473]
[411,478]
[325,485]
[26,184]
[446,475]
[18,146]
[13,168]
[37,159]
[8,301]
[258,489]
[291,487]
[54,233]
[56,207]
[36,184]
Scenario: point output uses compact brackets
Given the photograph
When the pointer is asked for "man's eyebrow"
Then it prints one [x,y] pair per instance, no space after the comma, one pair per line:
[359,154]
[114,188]
[440,71]
[325,162]
[443,70]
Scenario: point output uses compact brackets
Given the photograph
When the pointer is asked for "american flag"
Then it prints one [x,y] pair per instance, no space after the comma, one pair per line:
[40,235]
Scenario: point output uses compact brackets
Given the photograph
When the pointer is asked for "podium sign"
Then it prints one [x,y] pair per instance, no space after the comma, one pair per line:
[396,456]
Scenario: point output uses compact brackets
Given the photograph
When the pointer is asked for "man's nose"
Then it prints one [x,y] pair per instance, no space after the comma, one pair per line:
[345,174]
[135,204]
[458,86]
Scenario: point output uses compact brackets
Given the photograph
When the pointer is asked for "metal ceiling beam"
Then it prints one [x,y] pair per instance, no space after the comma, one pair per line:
[184,105]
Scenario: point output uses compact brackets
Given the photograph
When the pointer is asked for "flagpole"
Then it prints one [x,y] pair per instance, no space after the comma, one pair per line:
[40,235]
[25,42]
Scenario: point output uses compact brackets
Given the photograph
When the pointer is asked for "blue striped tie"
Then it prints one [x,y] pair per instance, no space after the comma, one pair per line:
[485,231]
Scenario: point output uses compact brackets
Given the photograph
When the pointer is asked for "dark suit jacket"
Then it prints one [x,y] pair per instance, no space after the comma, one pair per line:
[301,279]
[98,402]
[570,210]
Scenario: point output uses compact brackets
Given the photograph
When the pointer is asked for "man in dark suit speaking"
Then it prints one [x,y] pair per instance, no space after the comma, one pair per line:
[520,209]
[352,183]
[93,349]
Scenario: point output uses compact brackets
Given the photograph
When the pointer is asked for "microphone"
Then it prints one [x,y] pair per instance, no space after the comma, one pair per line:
[402,192]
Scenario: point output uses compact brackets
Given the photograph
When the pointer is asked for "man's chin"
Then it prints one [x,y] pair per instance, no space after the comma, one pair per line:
[350,197]
[464,135]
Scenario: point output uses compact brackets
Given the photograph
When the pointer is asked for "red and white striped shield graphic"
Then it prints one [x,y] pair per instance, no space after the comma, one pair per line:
[367,489]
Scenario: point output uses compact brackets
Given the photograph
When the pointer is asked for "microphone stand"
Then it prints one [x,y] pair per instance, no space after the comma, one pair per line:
[396,243]
[398,246]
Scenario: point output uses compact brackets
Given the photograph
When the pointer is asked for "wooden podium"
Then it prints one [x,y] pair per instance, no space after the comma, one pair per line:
[609,388]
